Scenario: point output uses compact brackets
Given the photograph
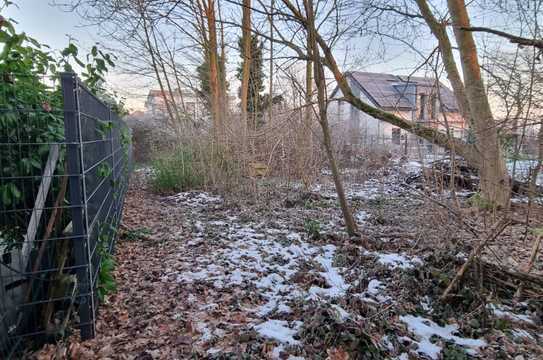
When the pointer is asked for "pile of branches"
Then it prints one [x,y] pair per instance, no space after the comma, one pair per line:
[465,176]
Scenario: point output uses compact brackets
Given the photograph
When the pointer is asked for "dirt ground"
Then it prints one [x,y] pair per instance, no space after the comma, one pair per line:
[272,275]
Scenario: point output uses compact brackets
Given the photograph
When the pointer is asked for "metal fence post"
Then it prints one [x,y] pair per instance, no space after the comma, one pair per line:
[72,129]
[113,175]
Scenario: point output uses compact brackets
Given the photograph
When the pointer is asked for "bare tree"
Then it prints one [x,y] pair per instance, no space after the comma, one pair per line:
[246,52]
[320,82]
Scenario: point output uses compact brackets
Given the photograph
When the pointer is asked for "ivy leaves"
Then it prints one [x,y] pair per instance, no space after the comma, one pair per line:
[9,193]
[95,67]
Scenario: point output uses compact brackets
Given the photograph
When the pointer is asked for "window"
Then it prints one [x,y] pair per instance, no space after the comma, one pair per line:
[396,136]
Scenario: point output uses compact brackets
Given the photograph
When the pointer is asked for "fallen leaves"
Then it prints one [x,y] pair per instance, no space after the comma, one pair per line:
[157,315]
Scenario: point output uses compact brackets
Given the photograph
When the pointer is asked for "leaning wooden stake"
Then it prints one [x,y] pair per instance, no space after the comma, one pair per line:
[496,230]
[37,212]
[54,219]
[533,255]
[531,261]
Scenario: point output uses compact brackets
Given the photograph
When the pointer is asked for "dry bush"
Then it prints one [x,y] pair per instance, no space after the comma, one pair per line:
[283,149]
[150,136]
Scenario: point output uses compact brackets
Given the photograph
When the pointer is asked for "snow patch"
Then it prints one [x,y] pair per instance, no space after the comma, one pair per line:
[341,313]
[394,260]
[336,283]
[195,198]
[522,334]
[279,330]
[424,329]
[362,216]
[506,312]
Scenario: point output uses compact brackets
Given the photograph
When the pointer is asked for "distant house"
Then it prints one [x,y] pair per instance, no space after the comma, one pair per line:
[418,99]
[187,101]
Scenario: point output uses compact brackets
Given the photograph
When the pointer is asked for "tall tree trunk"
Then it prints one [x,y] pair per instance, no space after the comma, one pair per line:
[246,51]
[320,82]
[308,114]
[440,32]
[304,148]
[495,185]
[270,19]
[214,81]
[224,102]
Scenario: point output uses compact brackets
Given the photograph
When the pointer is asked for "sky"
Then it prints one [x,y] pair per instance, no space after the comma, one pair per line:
[53,25]
[49,23]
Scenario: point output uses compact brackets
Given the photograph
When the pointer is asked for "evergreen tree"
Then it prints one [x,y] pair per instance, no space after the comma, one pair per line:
[255,100]
[202,72]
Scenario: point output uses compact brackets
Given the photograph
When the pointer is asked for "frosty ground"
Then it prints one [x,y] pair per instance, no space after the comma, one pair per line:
[271,274]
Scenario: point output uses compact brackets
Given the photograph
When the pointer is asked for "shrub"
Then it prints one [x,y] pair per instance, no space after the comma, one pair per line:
[175,172]
[478,201]
[106,282]
[312,228]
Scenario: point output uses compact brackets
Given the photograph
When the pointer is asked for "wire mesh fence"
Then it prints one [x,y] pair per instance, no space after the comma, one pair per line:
[64,168]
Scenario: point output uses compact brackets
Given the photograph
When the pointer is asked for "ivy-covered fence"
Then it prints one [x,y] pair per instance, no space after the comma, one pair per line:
[64,169]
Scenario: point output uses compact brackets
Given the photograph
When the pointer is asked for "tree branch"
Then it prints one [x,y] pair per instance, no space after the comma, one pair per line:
[538,43]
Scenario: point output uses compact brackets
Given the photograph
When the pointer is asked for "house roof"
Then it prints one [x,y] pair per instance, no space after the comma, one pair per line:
[399,92]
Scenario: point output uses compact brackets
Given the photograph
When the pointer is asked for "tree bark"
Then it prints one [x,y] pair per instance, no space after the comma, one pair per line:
[225,108]
[495,184]
[320,82]
[308,114]
[439,30]
[214,82]
[246,51]
[270,18]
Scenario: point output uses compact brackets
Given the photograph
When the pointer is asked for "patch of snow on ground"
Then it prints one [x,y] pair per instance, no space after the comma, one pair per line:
[424,329]
[195,198]
[279,330]
[373,294]
[522,334]
[337,285]
[251,254]
[394,260]
[341,313]
[362,216]
[505,312]
[374,287]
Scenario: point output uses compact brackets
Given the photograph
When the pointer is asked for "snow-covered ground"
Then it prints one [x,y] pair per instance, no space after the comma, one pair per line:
[271,267]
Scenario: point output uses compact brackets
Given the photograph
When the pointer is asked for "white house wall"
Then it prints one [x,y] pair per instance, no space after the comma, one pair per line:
[355,126]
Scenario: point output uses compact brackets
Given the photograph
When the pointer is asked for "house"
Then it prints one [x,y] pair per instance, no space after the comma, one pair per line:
[418,99]
[186,100]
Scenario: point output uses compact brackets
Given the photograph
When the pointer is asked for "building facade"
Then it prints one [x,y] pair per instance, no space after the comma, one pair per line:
[418,99]
[186,101]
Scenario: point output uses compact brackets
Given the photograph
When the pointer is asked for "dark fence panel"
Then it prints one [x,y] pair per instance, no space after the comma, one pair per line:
[64,169]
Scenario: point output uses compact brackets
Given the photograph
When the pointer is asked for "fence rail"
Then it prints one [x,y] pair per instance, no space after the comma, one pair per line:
[64,169]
